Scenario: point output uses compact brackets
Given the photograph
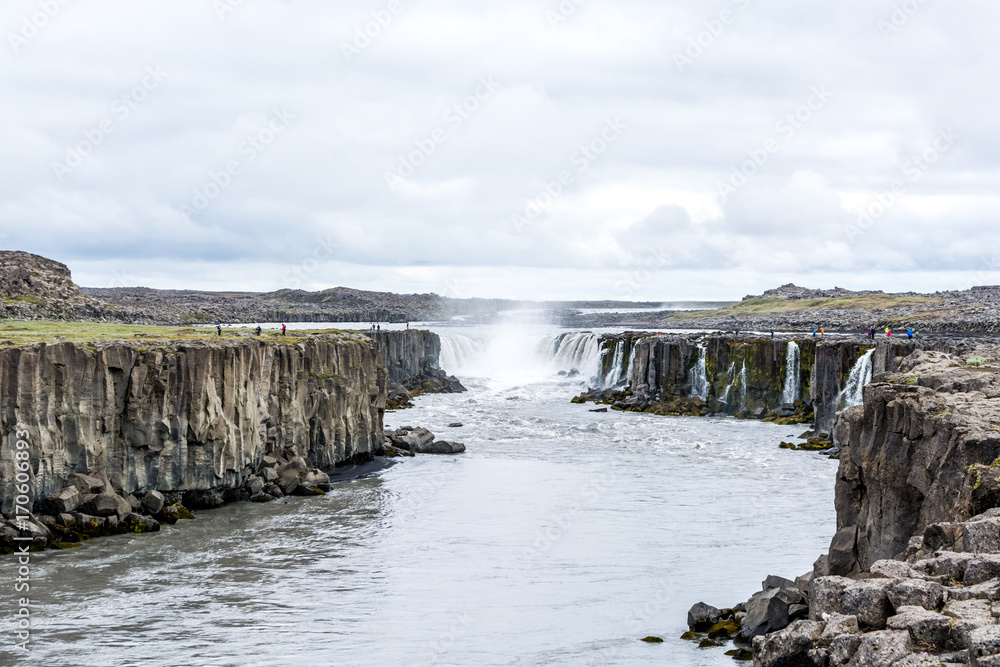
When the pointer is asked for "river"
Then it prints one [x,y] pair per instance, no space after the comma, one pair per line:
[562,537]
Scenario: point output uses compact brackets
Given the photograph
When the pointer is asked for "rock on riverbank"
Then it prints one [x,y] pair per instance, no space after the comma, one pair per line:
[913,574]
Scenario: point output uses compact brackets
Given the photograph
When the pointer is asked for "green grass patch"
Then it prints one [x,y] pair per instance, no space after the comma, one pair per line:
[20,333]
[977,361]
[778,305]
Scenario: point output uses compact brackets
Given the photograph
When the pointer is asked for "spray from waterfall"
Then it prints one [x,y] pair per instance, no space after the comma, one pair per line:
[698,376]
[861,375]
[792,374]
[458,353]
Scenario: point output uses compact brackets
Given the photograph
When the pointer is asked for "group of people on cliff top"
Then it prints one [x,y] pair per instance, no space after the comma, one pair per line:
[257,331]
[910,333]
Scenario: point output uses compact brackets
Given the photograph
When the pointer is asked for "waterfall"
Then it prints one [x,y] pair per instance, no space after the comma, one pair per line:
[792,380]
[631,364]
[860,376]
[574,352]
[458,353]
[698,376]
[730,380]
[743,385]
[615,370]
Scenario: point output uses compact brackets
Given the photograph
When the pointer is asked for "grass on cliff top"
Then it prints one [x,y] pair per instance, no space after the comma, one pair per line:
[775,305]
[19,333]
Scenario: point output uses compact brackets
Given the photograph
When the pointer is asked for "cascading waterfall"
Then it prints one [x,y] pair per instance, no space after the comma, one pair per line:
[698,376]
[573,352]
[730,380]
[458,353]
[743,385]
[631,364]
[792,379]
[861,375]
[615,371]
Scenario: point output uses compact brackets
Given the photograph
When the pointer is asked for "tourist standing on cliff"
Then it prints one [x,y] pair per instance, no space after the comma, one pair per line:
[909,333]
[282,329]
[219,327]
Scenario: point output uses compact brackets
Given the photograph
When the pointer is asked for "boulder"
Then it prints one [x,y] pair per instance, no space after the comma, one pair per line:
[879,649]
[892,569]
[440,447]
[769,611]
[101,504]
[255,485]
[925,627]
[86,484]
[843,556]
[291,474]
[790,646]
[869,601]
[203,500]
[153,502]
[981,536]
[825,596]
[270,475]
[981,569]
[837,625]
[988,590]
[168,514]
[65,500]
[917,593]
[985,640]
[944,563]
[137,523]
[843,648]
[134,503]
[316,480]
[969,615]
[703,616]
[941,536]
[774,581]
[416,439]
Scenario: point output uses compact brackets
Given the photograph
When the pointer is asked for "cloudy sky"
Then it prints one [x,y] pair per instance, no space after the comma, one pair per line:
[530,148]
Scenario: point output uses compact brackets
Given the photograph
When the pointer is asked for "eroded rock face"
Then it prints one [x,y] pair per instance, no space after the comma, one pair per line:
[33,287]
[193,416]
[919,453]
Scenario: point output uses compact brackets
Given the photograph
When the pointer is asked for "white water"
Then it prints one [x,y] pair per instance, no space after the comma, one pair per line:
[698,376]
[792,380]
[616,372]
[513,353]
[861,376]
[730,380]
[743,385]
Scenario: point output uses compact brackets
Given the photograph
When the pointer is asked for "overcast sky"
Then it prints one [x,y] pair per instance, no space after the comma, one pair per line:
[631,149]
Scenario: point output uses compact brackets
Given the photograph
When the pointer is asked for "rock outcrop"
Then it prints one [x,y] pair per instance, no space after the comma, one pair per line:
[913,574]
[923,450]
[34,288]
[106,438]
[745,376]
[164,416]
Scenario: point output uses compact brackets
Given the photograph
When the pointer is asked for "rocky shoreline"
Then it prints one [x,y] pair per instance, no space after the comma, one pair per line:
[913,573]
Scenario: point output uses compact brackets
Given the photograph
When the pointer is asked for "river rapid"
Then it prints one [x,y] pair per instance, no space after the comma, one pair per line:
[562,537]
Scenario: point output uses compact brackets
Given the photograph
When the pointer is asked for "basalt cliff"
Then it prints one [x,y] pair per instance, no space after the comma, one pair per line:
[96,427]
[912,576]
